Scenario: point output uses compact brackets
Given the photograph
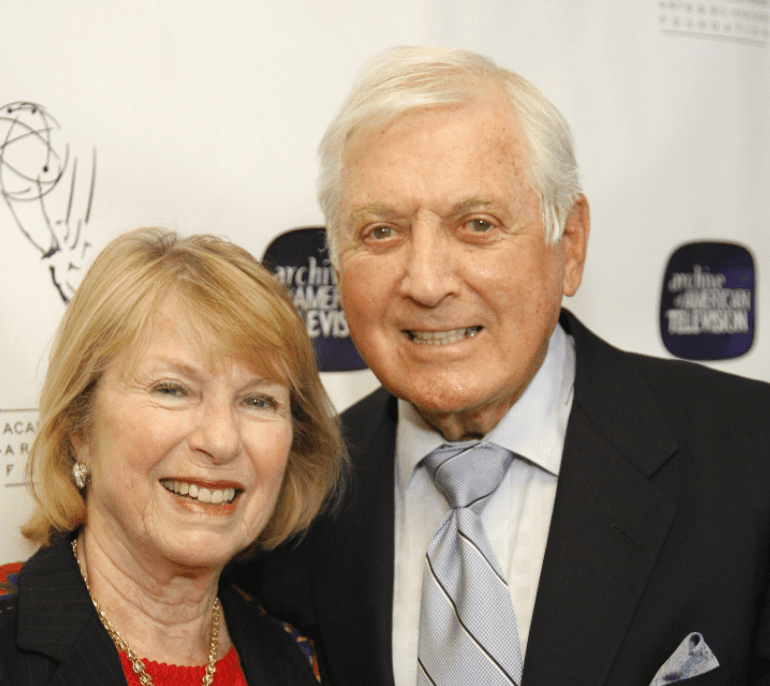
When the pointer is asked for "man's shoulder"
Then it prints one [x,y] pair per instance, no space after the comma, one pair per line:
[696,375]
[644,403]
[628,394]
[712,402]
[375,415]
[674,376]
[373,407]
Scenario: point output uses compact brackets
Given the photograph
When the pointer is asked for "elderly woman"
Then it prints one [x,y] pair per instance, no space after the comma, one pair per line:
[182,421]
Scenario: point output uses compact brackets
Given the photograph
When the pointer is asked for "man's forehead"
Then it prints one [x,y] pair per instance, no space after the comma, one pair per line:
[503,127]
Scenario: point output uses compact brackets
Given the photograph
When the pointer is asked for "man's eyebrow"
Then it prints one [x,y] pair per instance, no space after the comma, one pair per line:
[472,204]
[381,211]
[373,211]
[484,204]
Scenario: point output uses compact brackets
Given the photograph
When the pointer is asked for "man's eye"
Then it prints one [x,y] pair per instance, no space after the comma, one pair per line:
[479,225]
[381,232]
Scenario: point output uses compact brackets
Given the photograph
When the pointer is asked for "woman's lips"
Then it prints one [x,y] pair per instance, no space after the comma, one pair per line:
[203,493]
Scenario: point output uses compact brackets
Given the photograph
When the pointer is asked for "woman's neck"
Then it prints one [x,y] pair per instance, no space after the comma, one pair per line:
[162,611]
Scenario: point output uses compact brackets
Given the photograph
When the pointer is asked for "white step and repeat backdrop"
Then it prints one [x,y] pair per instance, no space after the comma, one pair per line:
[205,117]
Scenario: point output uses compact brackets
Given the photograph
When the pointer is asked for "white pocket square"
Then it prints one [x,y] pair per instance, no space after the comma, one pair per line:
[691,658]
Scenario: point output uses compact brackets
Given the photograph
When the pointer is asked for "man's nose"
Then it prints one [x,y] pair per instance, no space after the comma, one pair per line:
[430,270]
[217,431]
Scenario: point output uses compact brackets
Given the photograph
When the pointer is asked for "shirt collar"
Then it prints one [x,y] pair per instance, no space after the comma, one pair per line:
[534,428]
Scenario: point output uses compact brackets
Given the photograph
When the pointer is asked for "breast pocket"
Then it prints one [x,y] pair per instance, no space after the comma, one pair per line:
[732,673]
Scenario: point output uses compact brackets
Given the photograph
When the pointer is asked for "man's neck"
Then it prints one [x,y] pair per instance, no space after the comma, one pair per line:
[468,424]
[477,421]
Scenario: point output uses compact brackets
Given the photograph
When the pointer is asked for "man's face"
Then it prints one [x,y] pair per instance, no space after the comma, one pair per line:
[449,289]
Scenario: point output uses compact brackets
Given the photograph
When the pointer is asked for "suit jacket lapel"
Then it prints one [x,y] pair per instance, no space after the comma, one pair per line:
[609,521]
[57,619]
[354,590]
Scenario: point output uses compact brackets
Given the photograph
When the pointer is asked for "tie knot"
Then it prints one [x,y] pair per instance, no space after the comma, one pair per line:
[467,473]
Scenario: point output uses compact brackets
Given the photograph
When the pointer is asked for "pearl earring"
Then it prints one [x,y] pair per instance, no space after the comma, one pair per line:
[80,474]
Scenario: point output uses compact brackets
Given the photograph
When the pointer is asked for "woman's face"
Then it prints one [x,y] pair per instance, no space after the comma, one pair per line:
[186,451]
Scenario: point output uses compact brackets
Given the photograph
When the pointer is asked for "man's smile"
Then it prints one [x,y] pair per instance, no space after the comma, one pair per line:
[442,337]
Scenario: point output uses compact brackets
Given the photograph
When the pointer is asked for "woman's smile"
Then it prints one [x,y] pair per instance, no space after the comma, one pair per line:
[203,494]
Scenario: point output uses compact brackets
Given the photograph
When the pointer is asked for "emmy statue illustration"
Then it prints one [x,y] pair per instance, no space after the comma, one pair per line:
[47,192]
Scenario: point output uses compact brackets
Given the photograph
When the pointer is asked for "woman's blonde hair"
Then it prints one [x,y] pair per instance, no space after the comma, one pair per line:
[234,307]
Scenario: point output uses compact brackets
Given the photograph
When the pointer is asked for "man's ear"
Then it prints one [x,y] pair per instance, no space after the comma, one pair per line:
[574,242]
[338,277]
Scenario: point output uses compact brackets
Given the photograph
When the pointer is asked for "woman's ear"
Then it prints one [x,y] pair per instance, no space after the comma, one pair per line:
[80,448]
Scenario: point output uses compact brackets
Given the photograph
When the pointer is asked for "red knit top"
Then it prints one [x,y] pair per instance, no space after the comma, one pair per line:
[229,672]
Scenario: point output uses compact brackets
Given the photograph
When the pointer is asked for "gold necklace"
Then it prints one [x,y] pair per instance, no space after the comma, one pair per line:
[136,662]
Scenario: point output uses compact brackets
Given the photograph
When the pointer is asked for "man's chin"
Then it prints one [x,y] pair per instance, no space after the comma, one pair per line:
[457,415]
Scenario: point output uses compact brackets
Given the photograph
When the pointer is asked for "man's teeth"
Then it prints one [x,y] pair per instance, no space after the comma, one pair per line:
[199,493]
[443,337]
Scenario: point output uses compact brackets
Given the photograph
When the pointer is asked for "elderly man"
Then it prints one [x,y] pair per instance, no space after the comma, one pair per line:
[528,504]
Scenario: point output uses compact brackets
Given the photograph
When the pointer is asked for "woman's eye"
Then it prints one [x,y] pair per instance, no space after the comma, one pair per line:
[170,389]
[261,402]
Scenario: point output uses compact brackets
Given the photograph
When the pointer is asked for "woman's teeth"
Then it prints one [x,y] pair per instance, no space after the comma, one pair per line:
[199,493]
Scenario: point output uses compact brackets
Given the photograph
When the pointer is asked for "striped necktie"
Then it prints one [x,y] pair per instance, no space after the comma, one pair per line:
[468,629]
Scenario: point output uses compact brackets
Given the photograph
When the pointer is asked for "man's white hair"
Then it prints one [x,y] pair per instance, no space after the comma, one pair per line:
[407,78]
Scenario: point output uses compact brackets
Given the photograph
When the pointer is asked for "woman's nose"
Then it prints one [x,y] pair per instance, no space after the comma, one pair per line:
[217,432]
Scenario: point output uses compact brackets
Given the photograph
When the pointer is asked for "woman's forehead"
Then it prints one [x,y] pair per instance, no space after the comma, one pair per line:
[176,324]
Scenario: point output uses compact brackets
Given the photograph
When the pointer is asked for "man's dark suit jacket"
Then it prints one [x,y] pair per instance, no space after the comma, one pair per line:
[661,527]
[50,633]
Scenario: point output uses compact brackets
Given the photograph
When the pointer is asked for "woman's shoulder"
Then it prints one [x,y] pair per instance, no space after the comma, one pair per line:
[243,610]
[302,642]
[9,591]
[9,578]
